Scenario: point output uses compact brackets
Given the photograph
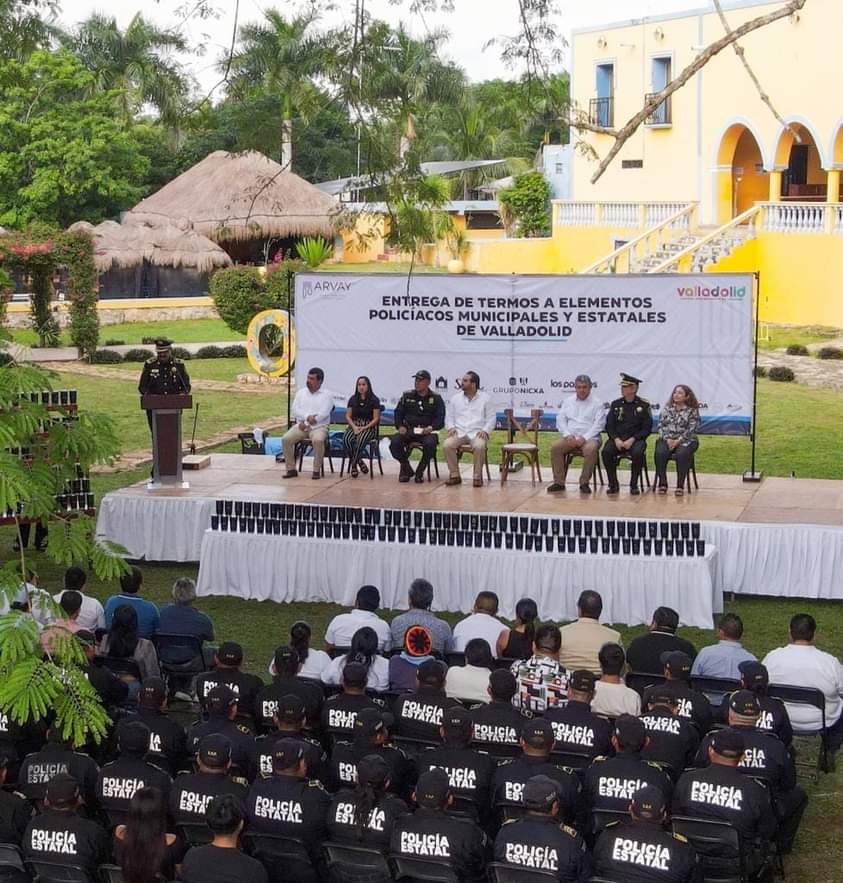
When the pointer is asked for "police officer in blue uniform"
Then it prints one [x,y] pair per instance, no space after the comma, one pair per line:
[418,414]
[628,424]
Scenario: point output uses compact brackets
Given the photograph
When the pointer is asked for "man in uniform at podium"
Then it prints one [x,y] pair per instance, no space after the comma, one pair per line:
[163,375]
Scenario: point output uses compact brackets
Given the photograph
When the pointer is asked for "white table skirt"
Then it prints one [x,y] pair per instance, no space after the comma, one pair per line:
[280,568]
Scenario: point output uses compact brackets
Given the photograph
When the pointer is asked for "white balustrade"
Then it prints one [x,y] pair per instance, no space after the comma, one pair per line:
[577,214]
[794,217]
[837,220]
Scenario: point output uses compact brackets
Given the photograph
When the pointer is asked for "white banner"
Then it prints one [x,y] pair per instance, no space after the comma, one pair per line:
[529,336]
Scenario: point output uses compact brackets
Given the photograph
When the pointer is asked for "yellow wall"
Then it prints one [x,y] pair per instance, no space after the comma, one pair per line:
[514,256]
[754,185]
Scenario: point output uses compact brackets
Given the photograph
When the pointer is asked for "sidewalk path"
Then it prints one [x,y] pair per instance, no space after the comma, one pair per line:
[809,370]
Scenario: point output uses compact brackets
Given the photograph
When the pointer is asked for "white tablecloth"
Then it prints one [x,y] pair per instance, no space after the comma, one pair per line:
[280,568]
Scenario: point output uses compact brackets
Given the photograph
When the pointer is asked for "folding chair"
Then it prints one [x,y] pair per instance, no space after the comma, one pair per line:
[814,698]
[355,864]
[715,689]
[716,839]
[502,873]
[574,760]
[196,833]
[180,657]
[417,446]
[568,458]
[527,449]
[640,680]
[645,472]
[285,859]
[110,873]
[374,453]
[407,869]
[44,871]
[602,818]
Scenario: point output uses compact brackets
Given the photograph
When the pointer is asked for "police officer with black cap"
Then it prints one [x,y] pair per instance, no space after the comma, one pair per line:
[192,793]
[15,812]
[498,724]
[538,841]
[512,775]
[671,739]
[227,662]
[163,375]
[57,756]
[167,740]
[222,710]
[692,704]
[628,423]
[765,758]
[774,717]
[418,715]
[60,835]
[431,835]
[287,665]
[469,769]
[119,780]
[420,412]
[641,851]
[576,728]
[289,722]
[340,710]
[370,736]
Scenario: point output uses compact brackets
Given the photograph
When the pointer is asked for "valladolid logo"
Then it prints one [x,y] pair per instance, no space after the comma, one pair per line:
[715,292]
[324,288]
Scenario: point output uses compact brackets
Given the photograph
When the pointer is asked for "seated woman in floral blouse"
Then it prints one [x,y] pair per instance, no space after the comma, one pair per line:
[678,423]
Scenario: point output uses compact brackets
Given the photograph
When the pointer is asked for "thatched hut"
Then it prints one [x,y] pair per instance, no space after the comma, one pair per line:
[245,202]
[137,259]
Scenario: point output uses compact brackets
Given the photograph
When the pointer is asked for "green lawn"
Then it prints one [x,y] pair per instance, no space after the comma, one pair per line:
[201,369]
[179,330]
[783,336]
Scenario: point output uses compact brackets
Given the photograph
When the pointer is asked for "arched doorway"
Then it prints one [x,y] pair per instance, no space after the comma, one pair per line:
[743,178]
[801,162]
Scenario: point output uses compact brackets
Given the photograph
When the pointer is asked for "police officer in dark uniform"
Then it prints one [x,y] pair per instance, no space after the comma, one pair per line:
[418,715]
[691,704]
[641,851]
[671,740]
[57,756]
[289,722]
[227,662]
[60,835]
[628,424]
[418,414]
[774,717]
[112,691]
[576,728]
[15,812]
[498,724]
[291,805]
[192,793]
[222,709]
[765,758]
[469,769]
[430,834]
[287,665]
[119,780]
[512,775]
[538,841]
[163,375]
[167,741]
[340,710]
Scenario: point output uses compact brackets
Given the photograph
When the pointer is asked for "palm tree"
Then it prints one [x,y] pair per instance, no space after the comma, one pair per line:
[134,63]
[280,56]
[470,136]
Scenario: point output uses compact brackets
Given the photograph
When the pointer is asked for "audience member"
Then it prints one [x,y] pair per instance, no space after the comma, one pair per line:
[723,659]
[227,661]
[671,739]
[15,812]
[123,641]
[182,618]
[498,723]
[222,861]
[612,697]
[290,720]
[313,662]
[342,628]
[112,691]
[418,715]
[481,623]
[92,615]
[144,849]
[57,756]
[582,640]
[222,713]
[64,626]
[801,664]
[417,646]
[471,681]
[774,717]
[420,599]
[577,730]
[645,651]
[147,612]
[517,643]
[167,742]
[286,681]
[370,736]
[363,649]
[340,710]
[691,703]
[542,679]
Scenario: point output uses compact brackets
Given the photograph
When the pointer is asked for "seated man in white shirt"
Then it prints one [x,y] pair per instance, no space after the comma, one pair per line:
[341,628]
[469,420]
[311,411]
[612,697]
[801,664]
[92,615]
[482,623]
[580,421]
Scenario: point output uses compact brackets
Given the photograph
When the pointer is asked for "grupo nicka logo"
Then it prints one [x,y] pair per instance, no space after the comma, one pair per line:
[715,292]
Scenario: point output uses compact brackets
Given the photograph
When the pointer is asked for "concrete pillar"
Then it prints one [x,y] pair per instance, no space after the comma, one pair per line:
[775,186]
[833,191]
[724,194]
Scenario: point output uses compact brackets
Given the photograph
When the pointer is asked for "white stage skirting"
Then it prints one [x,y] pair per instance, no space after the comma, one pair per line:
[786,560]
[280,568]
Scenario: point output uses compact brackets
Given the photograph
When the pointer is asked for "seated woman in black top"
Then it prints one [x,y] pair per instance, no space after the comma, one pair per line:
[517,643]
[362,415]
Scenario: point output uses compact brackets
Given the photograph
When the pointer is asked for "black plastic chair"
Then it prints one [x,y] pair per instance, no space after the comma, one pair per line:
[568,458]
[407,868]
[417,446]
[455,658]
[179,646]
[815,698]
[196,833]
[640,680]
[110,873]
[601,818]
[346,864]
[502,873]
[692,473]
[574,760]
[645,472]
[714,838]
[303,447]
[715,689]
[373,452]
[285,859]
[43,871]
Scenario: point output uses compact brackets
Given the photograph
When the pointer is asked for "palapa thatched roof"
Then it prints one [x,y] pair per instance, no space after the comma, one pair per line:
[237,196]
[166,245]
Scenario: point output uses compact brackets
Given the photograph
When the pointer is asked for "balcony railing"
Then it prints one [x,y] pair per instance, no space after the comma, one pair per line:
[628,215]
[662,115]
[601,112]
[803,217]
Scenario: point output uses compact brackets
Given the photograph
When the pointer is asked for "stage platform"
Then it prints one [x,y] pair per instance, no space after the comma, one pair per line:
[780,537]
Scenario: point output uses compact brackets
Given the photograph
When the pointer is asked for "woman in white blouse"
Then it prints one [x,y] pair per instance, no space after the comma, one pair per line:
[364,649]
[313,662]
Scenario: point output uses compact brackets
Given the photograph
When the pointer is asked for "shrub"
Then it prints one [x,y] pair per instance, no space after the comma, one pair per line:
[105,357]
[208,352]
[239,293]
[314,250]
[235,351]
[6,358]
[797,349]
[149,340]
[526,204]
[759,371]
[830,352]
[114,342]
[137,355]
[278,281]
[179,352]
[781,373]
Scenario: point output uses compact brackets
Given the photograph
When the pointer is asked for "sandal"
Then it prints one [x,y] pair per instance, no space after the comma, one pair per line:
[363,468]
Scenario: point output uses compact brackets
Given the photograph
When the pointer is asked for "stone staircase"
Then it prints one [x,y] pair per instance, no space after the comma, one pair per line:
[709,253]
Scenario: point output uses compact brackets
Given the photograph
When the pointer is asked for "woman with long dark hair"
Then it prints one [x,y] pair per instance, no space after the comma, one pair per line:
[122,642]
[363,649]
[517,643]
[363,414]
[678,423]
[145,850]
[313,662]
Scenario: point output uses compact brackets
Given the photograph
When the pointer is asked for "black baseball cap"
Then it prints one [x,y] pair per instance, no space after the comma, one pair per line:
[284,656]
[355,675]
[133,739]
[215,750]
[370,722]
[728,743]
[744,703]
[286,753]
[62,789]
[630,731]
[230,653]
[431,673]
[538,734]
[661,694]
[648,803]
[220,699]
[422,373]
[433,787]
[678,662]
[540,793]
[153,692]
[372,770]
[754,673]
[582,681]
[457,722]
[290,709]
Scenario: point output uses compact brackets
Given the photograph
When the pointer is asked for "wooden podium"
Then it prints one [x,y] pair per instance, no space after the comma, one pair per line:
[165,413]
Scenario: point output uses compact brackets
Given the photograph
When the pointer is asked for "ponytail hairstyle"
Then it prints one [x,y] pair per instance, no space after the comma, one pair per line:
[144,846]
[527,612]
[364,647]
[300,639]
[372,776]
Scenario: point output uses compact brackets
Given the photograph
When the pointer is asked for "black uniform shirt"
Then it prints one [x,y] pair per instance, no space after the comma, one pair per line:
[192,792]
[376,833]
[163,378]
[629,419]
[644,654]
[15,814]
[773,719]
[313,755]
[342,766]
[37,769]
[340,711]
[66,838]
[764,758]
[693,705]
[310,693]
[469,771]
[541,843]
[673,739]
[418,410]
[610,782]
[640,852]
[119,780]
[245,687]
[215,864]
[289,807]
[418,715]
[111,689]
[167,740]
[242,741]
[578,729]
[497,727]
[512,775]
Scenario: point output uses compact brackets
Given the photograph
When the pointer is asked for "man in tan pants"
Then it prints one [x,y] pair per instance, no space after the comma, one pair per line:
[580,421]
[311,411]
[469,419]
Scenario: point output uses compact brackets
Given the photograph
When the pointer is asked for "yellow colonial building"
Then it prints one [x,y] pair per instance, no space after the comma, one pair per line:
[712,181]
